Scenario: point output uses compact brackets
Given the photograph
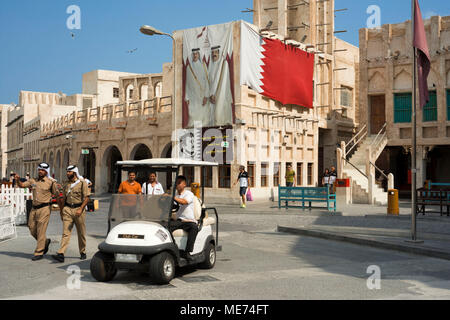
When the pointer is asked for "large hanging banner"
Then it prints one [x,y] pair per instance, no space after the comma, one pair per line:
[276,70]
[208,88]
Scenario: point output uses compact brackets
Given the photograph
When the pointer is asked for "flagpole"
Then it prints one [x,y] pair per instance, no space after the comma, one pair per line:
[414,134]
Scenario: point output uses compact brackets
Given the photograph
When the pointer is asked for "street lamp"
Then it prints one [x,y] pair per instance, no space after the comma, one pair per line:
[151,31]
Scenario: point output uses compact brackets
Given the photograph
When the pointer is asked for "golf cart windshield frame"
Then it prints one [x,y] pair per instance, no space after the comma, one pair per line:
[168,168]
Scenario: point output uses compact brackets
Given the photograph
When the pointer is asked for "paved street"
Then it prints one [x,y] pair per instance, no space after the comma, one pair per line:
[256,263]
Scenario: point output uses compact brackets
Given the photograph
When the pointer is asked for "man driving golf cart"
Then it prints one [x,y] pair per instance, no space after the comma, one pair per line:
[185,215]
[153,240]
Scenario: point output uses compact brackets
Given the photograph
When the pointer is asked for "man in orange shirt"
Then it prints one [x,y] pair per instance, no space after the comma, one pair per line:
[132,188]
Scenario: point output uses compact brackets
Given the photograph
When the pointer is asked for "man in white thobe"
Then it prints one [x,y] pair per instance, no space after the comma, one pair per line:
[197,90]
[220,96]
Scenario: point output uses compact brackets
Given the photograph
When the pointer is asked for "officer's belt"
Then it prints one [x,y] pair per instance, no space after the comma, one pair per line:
[73,206]
[40,206]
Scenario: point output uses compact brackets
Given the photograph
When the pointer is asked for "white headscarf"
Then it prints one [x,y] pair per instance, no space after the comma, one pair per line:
[44,166]
[74,169]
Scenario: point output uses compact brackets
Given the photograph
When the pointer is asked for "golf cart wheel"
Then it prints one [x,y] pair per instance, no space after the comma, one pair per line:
[210,256]
[162,268]
[103,268]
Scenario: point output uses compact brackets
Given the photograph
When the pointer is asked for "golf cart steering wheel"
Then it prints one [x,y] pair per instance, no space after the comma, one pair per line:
[175,207]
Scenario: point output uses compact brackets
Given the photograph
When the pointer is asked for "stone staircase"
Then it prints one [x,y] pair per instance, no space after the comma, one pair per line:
[360,187]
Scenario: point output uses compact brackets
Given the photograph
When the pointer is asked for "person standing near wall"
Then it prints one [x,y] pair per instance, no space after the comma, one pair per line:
[326,178]
[333,178]
[290,178]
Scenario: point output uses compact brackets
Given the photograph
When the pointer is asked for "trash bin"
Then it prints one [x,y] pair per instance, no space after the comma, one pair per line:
[393,202]
[195,189]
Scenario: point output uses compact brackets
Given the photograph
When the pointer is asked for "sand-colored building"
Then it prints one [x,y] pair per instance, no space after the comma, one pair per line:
[137,127]
[266,135]
[4,139]
[385,98]
[23,127]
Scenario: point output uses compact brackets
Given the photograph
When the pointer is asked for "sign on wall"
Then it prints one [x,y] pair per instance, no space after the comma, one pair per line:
[208,89]
[207,144]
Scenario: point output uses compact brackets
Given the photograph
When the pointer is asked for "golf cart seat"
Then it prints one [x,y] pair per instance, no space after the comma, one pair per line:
[207,221]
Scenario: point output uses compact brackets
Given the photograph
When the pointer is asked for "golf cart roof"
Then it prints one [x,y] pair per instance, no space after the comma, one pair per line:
[169,162]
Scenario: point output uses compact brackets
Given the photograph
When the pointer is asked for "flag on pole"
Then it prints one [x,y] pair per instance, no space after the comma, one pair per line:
[423,55]
[276,70]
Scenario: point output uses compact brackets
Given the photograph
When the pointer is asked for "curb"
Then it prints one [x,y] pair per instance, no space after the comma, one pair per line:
[367,242]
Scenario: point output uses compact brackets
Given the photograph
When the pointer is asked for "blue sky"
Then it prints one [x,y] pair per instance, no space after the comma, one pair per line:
[38,52]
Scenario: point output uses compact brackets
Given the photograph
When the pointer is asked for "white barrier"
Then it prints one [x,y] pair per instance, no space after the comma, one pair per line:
[16,197]
[7,223]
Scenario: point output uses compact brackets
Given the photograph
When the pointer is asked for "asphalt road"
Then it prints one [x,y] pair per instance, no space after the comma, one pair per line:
[256,263]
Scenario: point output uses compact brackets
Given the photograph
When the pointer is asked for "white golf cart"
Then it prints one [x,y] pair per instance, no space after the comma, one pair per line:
[138,227]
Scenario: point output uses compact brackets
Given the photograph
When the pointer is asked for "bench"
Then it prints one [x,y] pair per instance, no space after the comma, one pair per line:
[427,197]
[306,194]
[438,185]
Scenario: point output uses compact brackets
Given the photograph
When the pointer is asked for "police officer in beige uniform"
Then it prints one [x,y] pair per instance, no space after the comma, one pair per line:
[73,211]
[43,188]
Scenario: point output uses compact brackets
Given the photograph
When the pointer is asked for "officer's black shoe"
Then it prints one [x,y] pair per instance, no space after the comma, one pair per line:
[83,256]
[47,244]
[36,258]
[58,257]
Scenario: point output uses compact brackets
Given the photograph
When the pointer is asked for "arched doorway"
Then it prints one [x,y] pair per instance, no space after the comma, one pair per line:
[111,156]
[129,93]
[141,152]
[57,169]
[143,92]
[166,154]
[158,89]
[51,162]
[167,151]
[66,159]
[86,165]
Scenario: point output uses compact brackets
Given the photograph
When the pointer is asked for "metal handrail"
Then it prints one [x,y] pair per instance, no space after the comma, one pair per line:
[343,158]
[379,133]
[356,135]
[379,170]
[347,152]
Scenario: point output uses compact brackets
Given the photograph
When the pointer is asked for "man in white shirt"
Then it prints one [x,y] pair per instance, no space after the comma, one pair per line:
[185,215]
[152,187]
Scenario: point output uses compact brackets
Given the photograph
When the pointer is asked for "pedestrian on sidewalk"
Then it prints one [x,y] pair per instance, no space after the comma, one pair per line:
[73,211]
[326,178]
[290,178]
[332,179]
[243,185]
[43,188]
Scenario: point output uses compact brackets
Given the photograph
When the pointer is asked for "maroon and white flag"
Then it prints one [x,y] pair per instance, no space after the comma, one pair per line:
[276,70]
[423,55]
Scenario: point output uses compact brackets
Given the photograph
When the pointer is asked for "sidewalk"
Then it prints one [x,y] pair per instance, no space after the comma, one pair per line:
[371,226]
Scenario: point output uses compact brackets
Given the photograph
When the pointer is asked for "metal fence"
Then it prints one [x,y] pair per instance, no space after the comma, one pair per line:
[16,198]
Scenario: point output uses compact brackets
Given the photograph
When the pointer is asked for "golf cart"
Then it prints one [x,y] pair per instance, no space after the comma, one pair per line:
[138,227]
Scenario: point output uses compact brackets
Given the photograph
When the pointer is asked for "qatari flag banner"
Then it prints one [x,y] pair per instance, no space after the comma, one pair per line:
[276,70]
[423,55]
